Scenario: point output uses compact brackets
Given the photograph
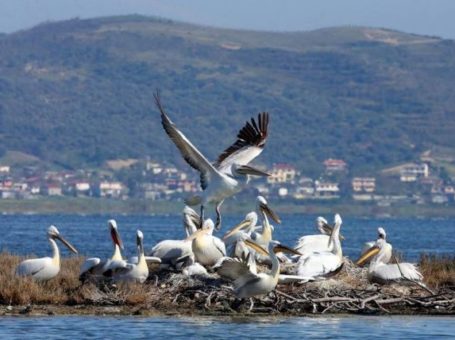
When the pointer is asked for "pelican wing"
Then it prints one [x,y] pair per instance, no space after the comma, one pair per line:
[32,266]
[189,152]
[389,272]
[233,269]
[90,264]
[249,144]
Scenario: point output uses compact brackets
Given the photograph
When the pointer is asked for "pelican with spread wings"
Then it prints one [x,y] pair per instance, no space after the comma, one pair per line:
[230,172]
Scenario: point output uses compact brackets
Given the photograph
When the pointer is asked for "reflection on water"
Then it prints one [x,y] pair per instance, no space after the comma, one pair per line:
[74,327]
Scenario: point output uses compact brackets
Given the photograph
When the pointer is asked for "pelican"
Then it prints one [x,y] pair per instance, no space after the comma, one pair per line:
[381,272]
[95,267]
[387,247]
[134,272]
[45,268]
[314,243]
[174,252]
[248,284]
[234,238]
[230,173]
[323,263]
[207,249]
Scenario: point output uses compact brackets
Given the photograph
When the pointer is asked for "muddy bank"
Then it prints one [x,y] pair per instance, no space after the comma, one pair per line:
[167,293]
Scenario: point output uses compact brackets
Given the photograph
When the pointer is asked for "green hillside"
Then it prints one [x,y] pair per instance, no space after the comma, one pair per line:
[79,92]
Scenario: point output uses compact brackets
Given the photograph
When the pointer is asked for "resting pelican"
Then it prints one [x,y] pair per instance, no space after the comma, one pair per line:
[314,243]
[95,267]
[234,238]
[230,173]
[248,284]
[45,268]
[388,250]
[381,272]
[134,272]
[173,252]
[207,249]
[323,263]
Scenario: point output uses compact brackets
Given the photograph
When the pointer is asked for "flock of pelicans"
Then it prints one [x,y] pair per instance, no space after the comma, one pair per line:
[236,255]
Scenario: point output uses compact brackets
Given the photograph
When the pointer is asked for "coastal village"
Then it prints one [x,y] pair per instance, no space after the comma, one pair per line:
[410,183]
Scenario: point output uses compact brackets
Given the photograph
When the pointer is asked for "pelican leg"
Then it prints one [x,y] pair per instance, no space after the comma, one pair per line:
[201,220]
[218,215]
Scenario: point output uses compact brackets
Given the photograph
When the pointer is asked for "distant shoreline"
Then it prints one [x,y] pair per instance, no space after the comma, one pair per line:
[93,206]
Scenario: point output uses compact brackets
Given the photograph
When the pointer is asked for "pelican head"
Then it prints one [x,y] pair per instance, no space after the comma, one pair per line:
[381,233]
[370,253]
[208,225]
[140,240]
[264,208]
[54,234]
[249,222]
[337,220]
[323,226]
[114,233]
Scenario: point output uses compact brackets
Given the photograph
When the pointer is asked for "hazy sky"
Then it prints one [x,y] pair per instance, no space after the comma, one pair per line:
[430,17]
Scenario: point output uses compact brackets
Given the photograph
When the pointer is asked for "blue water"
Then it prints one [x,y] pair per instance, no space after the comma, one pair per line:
[77,327]
[26,234]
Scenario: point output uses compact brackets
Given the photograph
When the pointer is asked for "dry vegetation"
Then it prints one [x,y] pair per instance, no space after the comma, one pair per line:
[173,293]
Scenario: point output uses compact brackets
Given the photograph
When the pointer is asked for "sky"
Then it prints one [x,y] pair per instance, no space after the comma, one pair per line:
[427,17]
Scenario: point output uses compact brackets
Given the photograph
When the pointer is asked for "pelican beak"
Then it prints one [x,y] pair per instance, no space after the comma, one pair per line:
[270,213]
[367,255]
[329,229]
[279,248]
[241,225]
[249,170]
[256,247]
[66,243]
[116,237]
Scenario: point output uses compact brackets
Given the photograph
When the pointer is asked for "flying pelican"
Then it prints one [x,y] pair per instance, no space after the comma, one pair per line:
[230,173]
[387,247]
[207,249]
[313,243]
[381,272]
[45,268]
[323,263]
[175,252]
[95,267]
[134,272]
[248,284]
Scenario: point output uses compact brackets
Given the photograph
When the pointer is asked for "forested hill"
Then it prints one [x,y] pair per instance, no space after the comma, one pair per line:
[79,92]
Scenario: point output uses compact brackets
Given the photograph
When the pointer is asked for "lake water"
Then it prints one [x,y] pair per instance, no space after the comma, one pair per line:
[77,327]
[25,234]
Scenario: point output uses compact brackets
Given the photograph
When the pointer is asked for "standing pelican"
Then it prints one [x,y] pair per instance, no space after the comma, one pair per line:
[313,243]
[248,284]
[207,249]
[45,268]
[95,267]
[323,263]
[134,272]
[228,175]
[388,250]
[381,272]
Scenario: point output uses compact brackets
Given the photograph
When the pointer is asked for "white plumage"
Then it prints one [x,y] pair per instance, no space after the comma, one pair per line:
[322,263]
[134,272]
[388,250]
[45,268]
[207,249]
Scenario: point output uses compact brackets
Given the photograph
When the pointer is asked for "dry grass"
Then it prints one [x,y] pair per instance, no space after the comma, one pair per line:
[438,271]
[167,292]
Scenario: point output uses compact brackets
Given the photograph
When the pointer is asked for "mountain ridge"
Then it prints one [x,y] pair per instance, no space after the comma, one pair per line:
[79,92]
